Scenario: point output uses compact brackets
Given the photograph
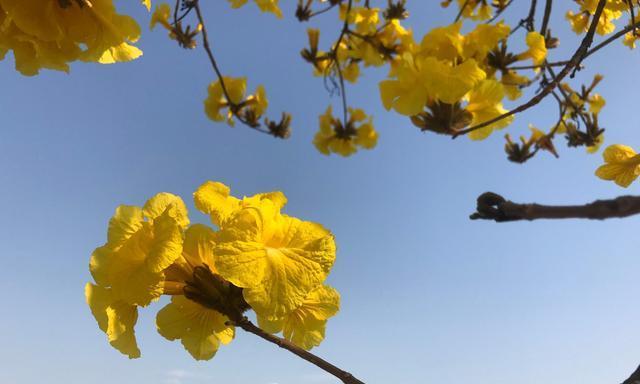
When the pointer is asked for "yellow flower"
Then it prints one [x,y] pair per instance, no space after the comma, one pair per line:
[596,102]
[129,269]
[270,6]
[473,9]
[115,318]
[450,83]
[214,199]
[217,100]
[443,43]
[305,325]
[579,21]
[333,137]
[427,78]
[351,72]
[395,35]
[512,83]
[630,39]
[51,34]
[201,330]
[485,103]
[484,38]
[161,16]
[258,103]
[275,258]
[537,51]
[404,93]
[622,165]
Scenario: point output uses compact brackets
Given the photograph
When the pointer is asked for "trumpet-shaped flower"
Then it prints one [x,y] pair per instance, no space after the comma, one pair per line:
[115,317]
[485,103]
[129,269]
[622,165]
[200,329]
[537,51]
[161,16]
[141,244]
[305,325]
[484,38]
[217,100]
[276,259]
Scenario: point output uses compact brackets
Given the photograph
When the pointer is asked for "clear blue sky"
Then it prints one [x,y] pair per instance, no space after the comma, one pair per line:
[428,296]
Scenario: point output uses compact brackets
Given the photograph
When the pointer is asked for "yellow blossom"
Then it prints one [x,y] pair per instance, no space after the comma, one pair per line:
[443,43]
[270,6]
[275,258]
[115,317]
[512,83]
[161,16]
[51,34]
[305,325]
[200,329]
[484,38]
[333,137]
[216,100]
[537,51]
[258,102]
[365,19]
[579,21]
[622,165]
[485,103]
[129,269]
[596,102]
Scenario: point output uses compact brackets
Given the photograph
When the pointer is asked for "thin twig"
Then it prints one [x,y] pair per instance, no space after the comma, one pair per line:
[216,69]
[491,206]
[344,376]
[459,15]
[500,11]
[575,60]
[334,55]
[545,19]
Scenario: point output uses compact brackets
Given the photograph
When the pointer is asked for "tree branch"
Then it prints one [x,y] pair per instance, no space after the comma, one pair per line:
[344,376]
[575,61]
[491,206]
[634,378]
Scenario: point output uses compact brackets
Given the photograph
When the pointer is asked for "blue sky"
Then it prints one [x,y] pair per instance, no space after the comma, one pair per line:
[428,296]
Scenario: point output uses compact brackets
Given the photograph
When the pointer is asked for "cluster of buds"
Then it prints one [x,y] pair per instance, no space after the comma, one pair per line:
[581,111]
[185,36]
[578,122]
[520,153]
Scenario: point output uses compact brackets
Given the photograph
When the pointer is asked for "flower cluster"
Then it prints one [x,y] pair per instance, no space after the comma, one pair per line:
[345,140]
[53,33]
[613,10]
[581,19]
[257,258]
[229,95]
[450,81]
[578,123]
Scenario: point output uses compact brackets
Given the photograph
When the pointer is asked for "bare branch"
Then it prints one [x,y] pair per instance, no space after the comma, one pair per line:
[491,206]
[344,376]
